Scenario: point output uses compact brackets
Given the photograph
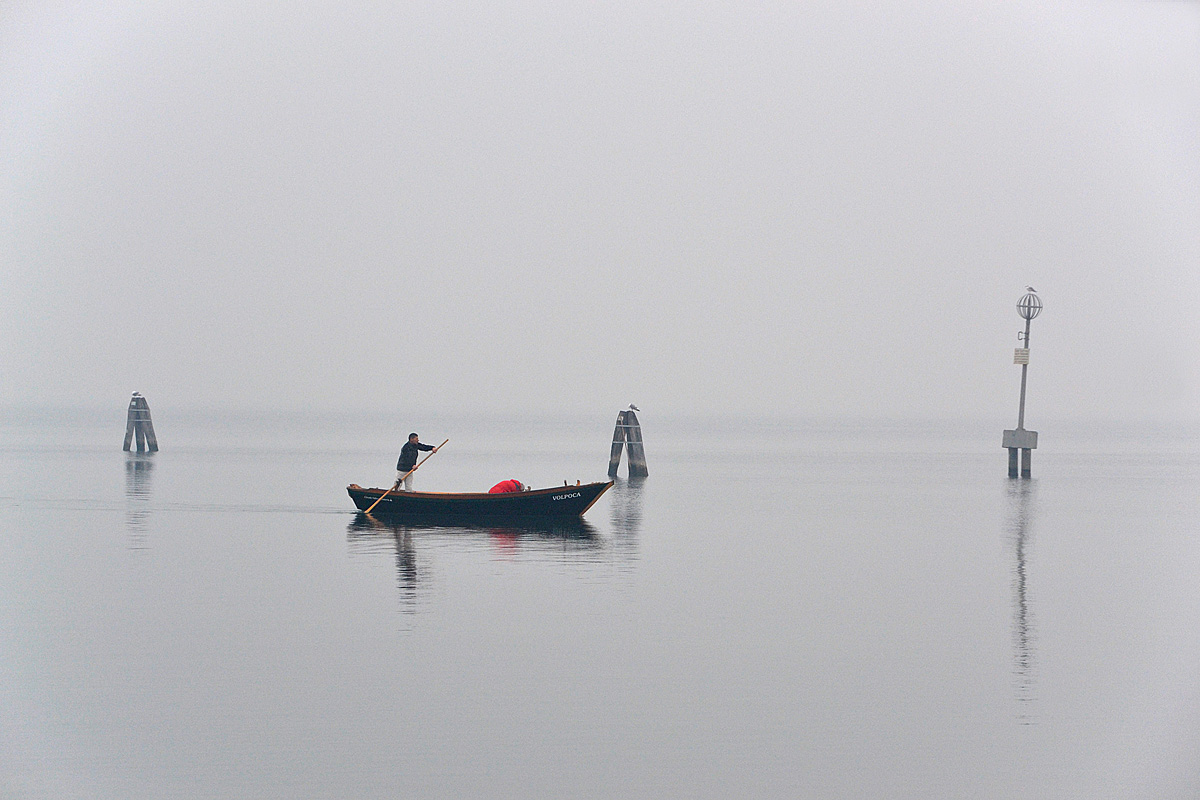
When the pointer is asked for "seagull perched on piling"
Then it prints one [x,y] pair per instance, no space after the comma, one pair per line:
[1031,289]
[632,407]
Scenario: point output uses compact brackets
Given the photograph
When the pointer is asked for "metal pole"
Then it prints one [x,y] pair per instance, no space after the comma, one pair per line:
[1024,372]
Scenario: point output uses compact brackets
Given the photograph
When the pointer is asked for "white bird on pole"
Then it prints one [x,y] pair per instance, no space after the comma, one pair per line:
[632,407]
[1031,289]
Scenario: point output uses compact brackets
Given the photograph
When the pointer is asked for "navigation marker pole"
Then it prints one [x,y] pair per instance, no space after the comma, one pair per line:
[1029,306]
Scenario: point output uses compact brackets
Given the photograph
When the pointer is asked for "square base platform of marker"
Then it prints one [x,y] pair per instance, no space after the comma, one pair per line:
[1020,438]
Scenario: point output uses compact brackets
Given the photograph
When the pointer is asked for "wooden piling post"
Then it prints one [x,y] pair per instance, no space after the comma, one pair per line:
[618,444]
[628,436]
[634,447]
[138,425]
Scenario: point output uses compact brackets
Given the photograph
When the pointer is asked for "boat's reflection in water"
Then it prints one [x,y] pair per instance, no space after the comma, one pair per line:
[577,533]
[572,539]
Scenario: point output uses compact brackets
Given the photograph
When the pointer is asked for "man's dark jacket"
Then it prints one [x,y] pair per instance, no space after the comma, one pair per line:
[408,455]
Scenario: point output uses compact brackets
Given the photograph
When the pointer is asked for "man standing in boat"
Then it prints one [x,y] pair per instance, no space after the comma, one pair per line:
[408,460]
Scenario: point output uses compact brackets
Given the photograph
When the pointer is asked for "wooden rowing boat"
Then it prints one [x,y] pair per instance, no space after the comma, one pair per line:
[554,503]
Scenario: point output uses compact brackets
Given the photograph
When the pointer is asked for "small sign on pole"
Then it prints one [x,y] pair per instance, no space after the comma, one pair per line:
[1021,355]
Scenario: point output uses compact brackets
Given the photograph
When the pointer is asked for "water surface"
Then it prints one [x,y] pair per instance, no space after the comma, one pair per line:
[794,609]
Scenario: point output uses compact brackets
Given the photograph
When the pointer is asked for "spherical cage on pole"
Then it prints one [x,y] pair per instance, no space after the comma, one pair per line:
[1029,306]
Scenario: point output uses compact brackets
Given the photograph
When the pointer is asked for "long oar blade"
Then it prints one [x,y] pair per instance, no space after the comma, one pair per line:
[385,494]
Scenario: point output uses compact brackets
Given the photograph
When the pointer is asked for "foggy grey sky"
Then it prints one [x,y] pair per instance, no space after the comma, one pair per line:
[768,208]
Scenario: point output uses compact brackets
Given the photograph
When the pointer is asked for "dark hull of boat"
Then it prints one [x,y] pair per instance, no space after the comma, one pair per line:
[558,502]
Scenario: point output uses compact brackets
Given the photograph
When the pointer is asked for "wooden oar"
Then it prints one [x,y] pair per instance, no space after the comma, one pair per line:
[401,480]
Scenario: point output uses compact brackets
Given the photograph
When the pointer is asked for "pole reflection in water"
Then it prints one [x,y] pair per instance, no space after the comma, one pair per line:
[139,467]
[575,539]
[1021,499]
[627,516]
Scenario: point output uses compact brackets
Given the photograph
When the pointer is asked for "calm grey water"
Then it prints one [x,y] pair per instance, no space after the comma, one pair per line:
[783,609]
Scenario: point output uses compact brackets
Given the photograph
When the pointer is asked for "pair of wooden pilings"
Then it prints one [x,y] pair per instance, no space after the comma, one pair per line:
[139,425]
[628,436]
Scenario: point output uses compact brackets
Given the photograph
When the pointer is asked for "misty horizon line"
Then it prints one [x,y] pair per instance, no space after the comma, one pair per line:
[96,412]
